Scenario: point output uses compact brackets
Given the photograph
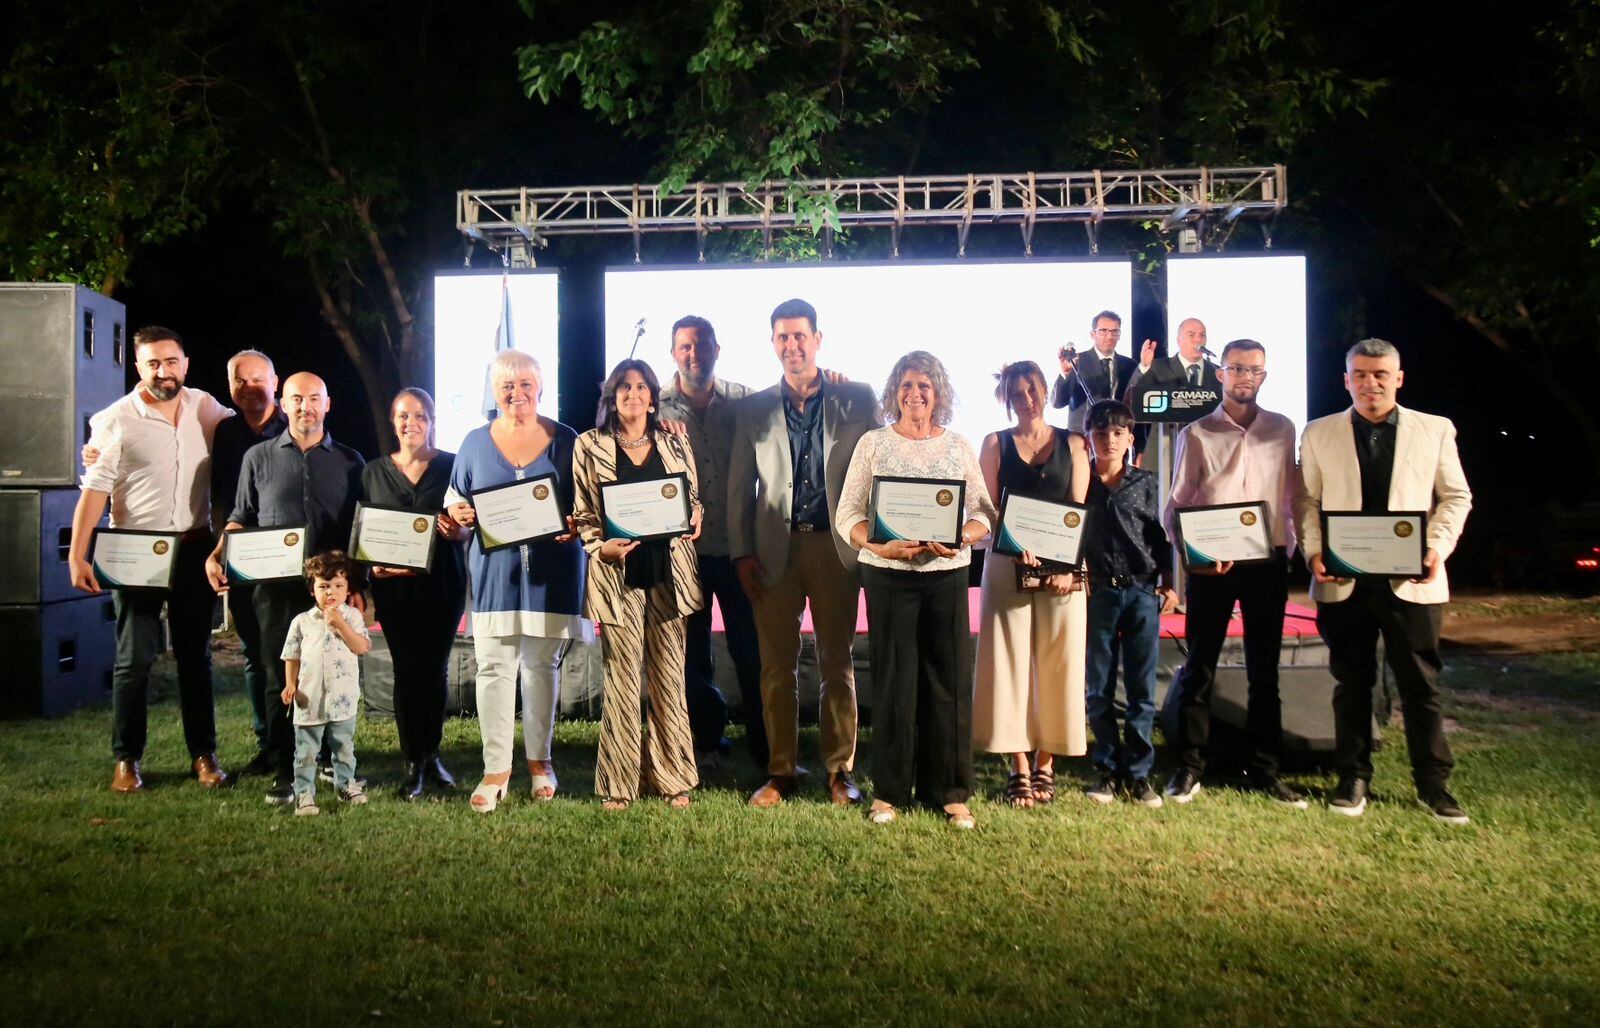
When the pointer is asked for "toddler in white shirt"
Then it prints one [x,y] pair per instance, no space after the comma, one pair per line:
[324,682]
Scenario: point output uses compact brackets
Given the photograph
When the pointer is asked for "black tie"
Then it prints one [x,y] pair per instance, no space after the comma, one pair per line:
[1194,375]
[1111,377]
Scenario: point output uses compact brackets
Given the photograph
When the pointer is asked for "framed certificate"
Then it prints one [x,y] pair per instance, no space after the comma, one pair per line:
[130,559]
[1388,545]
[518,512]
[924,510]
[1223,532]
[266,554]
[1050,529]
[393,537]
[652,508]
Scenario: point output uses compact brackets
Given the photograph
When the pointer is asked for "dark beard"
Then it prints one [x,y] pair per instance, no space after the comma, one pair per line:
[165,393]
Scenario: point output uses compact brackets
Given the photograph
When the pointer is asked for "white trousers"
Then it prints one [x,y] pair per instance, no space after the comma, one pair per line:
[500,657]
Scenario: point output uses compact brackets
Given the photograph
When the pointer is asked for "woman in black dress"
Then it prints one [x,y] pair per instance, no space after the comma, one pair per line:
[419,612]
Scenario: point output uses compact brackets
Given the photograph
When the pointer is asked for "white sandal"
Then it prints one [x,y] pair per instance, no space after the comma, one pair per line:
[542,781]
[883,815]
[490,795]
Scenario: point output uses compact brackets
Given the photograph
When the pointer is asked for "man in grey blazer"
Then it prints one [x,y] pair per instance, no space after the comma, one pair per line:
[1377,457]
[791,447]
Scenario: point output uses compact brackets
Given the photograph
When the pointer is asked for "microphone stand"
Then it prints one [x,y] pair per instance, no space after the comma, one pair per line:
[1077,374]
[638,334]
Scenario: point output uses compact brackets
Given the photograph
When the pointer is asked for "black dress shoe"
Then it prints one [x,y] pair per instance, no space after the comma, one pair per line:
[433,768]
[411,788]
[260,765]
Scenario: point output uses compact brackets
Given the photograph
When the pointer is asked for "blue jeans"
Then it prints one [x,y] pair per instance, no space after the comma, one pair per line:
[308,739]
[1130,616]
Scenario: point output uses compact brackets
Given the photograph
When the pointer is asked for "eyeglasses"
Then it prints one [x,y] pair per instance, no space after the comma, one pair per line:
[1244,372]
[1108,331]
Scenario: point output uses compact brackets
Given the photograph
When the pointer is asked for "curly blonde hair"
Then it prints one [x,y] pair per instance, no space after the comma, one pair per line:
[944,404]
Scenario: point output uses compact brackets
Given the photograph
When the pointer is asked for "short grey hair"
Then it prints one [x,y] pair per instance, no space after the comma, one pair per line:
[508,363]
[1373,347]
[257,354]
[922,361]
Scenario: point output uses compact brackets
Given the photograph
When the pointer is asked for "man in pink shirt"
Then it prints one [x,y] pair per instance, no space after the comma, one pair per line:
[1238,453]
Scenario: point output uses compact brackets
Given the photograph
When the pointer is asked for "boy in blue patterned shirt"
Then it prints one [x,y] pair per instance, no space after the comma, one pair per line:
[324,681]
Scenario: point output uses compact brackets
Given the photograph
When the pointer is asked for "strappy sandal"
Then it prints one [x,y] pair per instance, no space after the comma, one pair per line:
[1019,790]
[1044,785]
[487,796]
[614,804]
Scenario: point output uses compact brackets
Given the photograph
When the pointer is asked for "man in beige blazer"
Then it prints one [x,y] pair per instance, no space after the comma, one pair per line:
[1376,457]
[791,447]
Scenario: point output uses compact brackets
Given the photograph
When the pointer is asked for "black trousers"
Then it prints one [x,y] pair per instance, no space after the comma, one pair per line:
[189,604]
[242,608]
[1262,592]
[708,711]
[276,605]
[1411,640]
[419,626]
[921,646]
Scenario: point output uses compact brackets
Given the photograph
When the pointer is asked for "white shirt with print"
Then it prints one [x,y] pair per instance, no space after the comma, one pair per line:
[330,680]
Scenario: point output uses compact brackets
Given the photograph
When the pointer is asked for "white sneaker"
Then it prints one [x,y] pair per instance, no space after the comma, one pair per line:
[356,795]
[305,805]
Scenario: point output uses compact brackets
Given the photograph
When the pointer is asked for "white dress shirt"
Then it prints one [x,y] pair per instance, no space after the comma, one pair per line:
[1217,461]
[158,474]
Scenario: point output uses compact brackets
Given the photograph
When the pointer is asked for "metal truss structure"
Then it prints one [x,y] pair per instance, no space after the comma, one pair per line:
[1205,204]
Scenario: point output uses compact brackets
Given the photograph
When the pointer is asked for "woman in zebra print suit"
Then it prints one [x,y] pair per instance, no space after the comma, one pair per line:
[640,593]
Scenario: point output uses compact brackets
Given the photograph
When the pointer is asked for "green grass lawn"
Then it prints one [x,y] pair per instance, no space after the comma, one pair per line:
[186,907]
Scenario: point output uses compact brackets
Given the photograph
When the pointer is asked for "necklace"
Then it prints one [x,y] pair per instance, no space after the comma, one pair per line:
[632,444]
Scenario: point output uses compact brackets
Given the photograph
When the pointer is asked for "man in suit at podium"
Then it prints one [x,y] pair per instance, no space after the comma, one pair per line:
[1088,376]
[1189,367]
[1377,457]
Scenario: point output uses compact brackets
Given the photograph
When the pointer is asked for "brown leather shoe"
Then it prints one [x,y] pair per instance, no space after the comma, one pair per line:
[125,777]
[776,790]
[842,790]
[205,769]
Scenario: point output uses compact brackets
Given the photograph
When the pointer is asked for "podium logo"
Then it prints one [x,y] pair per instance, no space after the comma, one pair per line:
[1157,402]
[419,526]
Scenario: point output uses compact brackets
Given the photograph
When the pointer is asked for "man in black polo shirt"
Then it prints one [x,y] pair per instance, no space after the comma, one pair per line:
[304,478]
[253,384]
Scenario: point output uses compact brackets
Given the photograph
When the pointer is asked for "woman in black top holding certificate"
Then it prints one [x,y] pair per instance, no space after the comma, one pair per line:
[1029,696]
[419,611]
[639,591]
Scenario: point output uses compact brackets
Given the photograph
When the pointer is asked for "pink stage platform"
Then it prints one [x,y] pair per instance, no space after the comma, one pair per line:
[1300,621]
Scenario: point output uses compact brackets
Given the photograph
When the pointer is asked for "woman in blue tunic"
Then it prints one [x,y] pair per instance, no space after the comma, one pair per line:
[527,601]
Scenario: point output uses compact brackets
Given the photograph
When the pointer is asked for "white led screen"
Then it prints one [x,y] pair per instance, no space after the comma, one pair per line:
[1260,298]
[466,321]
[974,316]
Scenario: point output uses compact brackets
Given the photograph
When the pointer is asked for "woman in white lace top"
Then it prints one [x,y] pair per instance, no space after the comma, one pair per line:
[919,635]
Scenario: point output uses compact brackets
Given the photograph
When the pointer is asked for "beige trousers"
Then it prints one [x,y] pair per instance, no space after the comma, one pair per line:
[1029,693]
[815,574]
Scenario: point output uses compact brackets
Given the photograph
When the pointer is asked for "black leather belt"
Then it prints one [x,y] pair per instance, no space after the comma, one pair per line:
[806,526]
[1122,581]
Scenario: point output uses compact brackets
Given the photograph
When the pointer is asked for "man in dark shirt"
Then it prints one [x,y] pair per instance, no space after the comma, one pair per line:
[1376,457]
[253,384]
[304,478]
[1129,561]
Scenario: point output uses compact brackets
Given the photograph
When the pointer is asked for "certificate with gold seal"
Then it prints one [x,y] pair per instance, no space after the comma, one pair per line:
[923,510]
[1221,533]
[651,508]
[518,512]
[393,537]
[133,559]
[1388,545]
[1050,529]
[265,554]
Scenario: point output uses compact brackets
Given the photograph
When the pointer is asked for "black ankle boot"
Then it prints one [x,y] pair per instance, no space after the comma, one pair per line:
[435,769]
[411,788]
